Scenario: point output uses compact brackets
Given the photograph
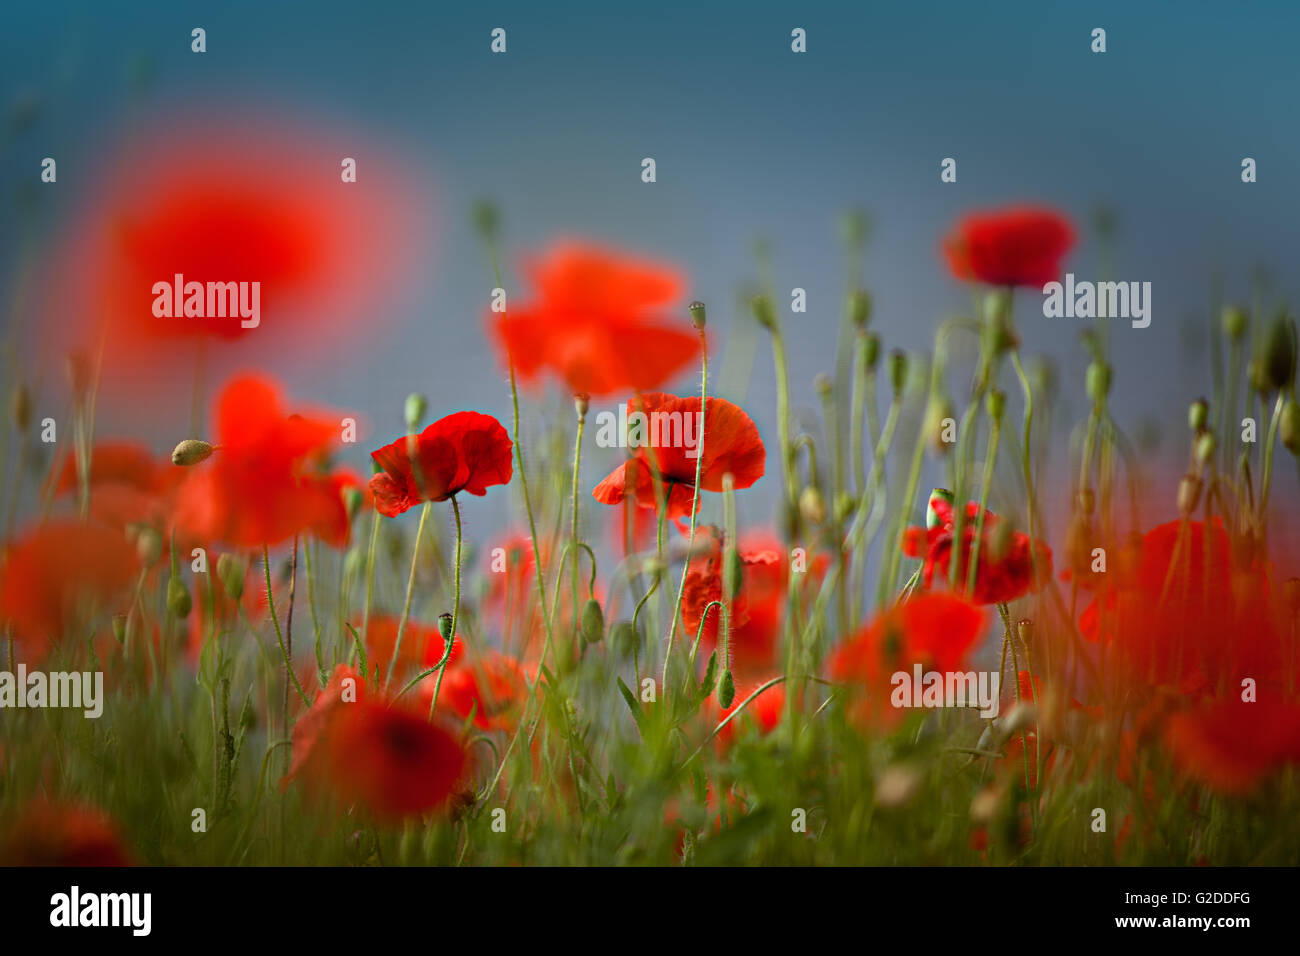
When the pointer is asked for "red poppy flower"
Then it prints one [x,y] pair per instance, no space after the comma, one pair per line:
[1022,567]
[1231,745]
[373,753]
[422,645]
[763,713]
[1011,247]
[937,631]
[755,620]
[60,834]
[260,486]
[731,444]
[59,570]
[490,687]
[598,323]
[233,200]
[465,451]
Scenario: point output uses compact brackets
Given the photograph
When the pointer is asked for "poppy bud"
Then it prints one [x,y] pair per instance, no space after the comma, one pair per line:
[822,383]
[581,405]
[1087,500]
[696,309]
[897,371]
[352,501]
[593,622]
[1279,354]
[148,545]
[1255,375]
[1233,322]
[178,597]
[996,403]
[486,219]
[844,506]
[726,690]
[119,628]
[1198,414]
[1189,493]
[444,628]
[734,570]
[871,349]
[1205,445]
[762,307]
[812,506]
[21,407]
[937,411]
[860,308]
[1098,381]
[998,335]
[231,571]
[191,452]
[854,226]
[1025,628]
[623,638]
[932,519]
[1288,426]
[416,406]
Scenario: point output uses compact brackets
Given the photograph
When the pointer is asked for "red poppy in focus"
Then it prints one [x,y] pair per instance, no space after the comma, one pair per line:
[1232,745]
[374,753]
[731,444]
[1021,566]
[598,323]
[58,570]
[755,619]
[56,834]
[937,631]
[262,486]
[465,451]
[1012,247]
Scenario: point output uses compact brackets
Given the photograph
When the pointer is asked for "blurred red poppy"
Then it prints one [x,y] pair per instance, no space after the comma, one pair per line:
[1232,745]
[490,685]
[128,484]
[936,630]
[58,571]
[263,484]
[367,751]
[464,451]
[62,834]
[1020,246]
[731,444]
[1021,566]
[755,621]
[598,323]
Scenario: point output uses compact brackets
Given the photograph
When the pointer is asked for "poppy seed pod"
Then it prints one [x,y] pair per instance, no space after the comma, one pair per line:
[1204,448]
[191,452]
[860,308]
[698,318]
[178,597]
[1189,493]
[1198,414]
[1288,426]
[1233,322]
[593,622]
[581,405]
[897,371]
[812,506]
[148,545]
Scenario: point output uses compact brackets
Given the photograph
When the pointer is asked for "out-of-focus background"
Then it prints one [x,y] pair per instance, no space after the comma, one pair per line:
[750,140]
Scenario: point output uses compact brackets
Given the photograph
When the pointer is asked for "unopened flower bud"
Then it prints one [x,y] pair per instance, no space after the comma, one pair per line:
[897,371]
[844,506]
[191,452]
[231,571]
[1204,449]
[416,406]
[1198,414]
[593,622]
[1233,322]
[996,403]
[871,349]
[623,638]
[762,307]
[1098,381]
[696,309]
[486,219]
[812,506]
[178,597]
[1288,426]
[445,623]
[823,384]
[353,499]
[938,496]
[726,690]
[148,546]
[581,405]
[860,308]
[1279,354]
